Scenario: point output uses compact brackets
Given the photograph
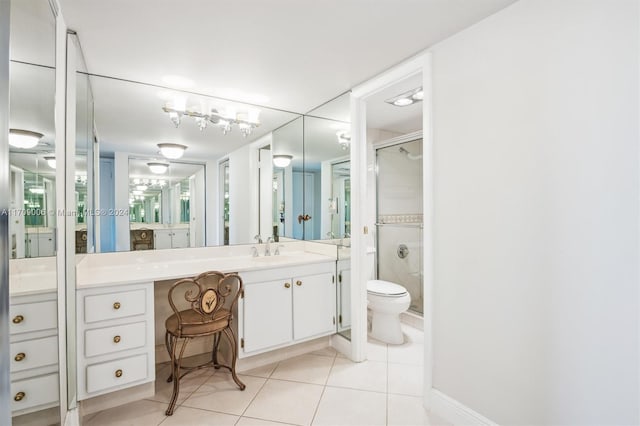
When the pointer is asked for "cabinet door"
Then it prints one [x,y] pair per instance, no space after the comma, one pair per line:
[267,314]
[314,305]
[344,313]
[45,244]
[180,238]
[162,239]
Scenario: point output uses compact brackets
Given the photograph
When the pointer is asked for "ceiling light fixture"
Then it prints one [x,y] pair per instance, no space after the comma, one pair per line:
[172,151]
[51,160]
[158,168]
[282,160]
[246,122]
[407,98]
[344,139]
[24,139]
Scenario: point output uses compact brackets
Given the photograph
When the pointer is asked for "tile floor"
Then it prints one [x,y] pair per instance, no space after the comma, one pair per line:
[320,388]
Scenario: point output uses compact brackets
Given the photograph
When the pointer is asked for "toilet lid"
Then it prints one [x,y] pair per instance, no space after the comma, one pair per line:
[385,288]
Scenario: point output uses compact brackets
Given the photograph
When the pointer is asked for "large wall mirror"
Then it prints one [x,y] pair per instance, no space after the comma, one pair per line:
[33,231]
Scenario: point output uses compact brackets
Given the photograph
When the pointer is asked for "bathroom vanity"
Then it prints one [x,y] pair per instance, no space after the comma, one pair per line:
[287,299]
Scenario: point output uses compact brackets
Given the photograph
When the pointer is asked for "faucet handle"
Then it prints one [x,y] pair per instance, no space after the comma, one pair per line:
[258,238]
[254,251]
[277,252]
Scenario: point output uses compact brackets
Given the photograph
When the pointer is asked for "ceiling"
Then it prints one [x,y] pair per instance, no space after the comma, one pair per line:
[293,55]
[385,116]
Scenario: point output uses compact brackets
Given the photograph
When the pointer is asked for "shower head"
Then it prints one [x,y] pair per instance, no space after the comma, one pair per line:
[409,155]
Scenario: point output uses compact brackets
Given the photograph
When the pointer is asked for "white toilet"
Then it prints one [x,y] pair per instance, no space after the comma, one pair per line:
[387,301]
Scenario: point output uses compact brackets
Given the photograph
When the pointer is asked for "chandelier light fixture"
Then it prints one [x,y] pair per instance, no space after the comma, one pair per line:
[24,139]
[344,139]
[158,167]
[172,151]
[224,120]
[282,160]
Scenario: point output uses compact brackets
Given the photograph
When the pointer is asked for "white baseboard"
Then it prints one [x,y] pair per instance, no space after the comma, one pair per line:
[455,412]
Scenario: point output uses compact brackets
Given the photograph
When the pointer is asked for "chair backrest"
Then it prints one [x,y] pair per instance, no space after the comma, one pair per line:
[206,294]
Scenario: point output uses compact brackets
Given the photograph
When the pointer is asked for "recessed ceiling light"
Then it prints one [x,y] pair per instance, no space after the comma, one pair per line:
[403,102]
[24,138]
[418,96]
[172,151]
[177,81]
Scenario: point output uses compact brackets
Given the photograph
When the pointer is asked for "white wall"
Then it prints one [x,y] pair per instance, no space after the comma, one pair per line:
[536,214]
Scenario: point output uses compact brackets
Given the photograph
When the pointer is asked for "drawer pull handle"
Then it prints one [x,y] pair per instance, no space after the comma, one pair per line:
[20,356]
[298,283]
[287,285]
[116,339]
[19,396]
[18,319]
[116,305]
[118,373]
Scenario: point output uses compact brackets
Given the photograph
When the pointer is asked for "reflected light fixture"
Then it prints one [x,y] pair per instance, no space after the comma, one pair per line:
[407,98]
[344,139]
[172,151]
[157,167]
[282,160]
[24,138]
[224,120]
[51,160]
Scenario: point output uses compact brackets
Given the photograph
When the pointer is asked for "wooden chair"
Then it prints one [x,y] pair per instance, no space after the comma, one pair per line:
[212,296]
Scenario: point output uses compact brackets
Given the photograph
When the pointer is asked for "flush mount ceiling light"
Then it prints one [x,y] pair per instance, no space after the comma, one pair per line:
[344,139]
[157,167]
[282,160]
[224,120]
[172,151]
[407,98]
[24,138]
[51,160]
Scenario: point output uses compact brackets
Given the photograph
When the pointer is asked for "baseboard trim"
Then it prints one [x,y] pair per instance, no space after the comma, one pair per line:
[455,412]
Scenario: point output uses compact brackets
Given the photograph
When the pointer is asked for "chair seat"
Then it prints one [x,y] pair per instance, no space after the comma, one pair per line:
[193,324]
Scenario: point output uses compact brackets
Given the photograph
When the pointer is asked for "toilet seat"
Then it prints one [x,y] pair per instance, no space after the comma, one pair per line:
[385,288]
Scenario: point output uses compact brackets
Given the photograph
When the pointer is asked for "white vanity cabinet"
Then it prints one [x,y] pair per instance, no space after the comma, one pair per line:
[34,352]
[344,294]
[285,306]
[115,338]
[171,238]
[40,244]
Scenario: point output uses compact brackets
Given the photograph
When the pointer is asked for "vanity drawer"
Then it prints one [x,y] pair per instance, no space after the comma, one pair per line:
[107,340]
[116,373]
[37,316]
[108,306]
[33,392]
[34,353]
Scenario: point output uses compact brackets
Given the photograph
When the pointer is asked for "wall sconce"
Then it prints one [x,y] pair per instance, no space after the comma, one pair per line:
[172,151]
[24,139]
[282,160]
[51,160]
[158,168]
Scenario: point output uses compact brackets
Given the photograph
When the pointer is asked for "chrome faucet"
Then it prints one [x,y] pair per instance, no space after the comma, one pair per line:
[254,251]
[258,238]
[267,247]
[277,250]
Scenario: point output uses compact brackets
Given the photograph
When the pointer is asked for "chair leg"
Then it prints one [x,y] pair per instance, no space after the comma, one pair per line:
[234,349]
[175,373]
[216,345]
[167,342]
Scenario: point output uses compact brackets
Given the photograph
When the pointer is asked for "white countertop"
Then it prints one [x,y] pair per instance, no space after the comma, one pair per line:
[157,265]
[32,276]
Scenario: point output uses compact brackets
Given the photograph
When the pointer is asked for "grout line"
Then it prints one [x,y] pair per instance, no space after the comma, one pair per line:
[257,393]
[315,413]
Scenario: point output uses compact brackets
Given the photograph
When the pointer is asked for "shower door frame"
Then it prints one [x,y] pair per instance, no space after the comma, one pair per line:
[420,63]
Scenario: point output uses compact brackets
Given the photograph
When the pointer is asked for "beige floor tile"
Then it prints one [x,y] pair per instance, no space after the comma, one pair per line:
[408,353]
[412,335]
[406,410]
[328,351]
[287,402]
[264,371]
[134,414]
[304,368]
[368,375]
[248,421]
[405,379]
[188,385]
[376,350]
[351,407]
[185,416]
[220,393]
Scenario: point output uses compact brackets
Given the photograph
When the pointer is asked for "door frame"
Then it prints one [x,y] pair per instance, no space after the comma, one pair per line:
[360,238]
